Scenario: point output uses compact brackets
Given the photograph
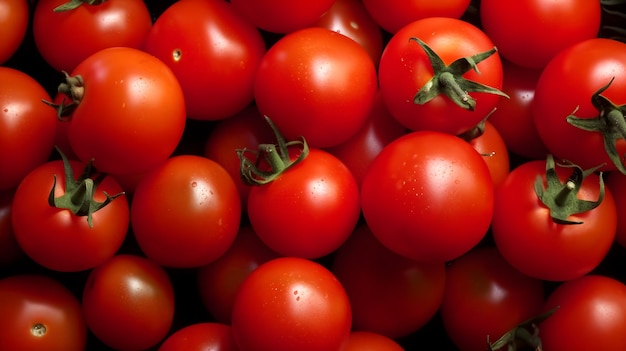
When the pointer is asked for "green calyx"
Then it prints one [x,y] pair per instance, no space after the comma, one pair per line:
[610,123]
[525,333]
[270,160]
[449,79]
[72,4]
[561,198]
[73,88]
[79,192]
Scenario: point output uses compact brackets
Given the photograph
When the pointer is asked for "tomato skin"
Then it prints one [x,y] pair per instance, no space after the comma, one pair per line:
[58,239]
[397,296]
[132,115]
[27,126]
[405,68]
[486,297]
[532,242]
[185,212]
[369,341]
[591,315]
[200,337]
[328,79]
[616,182]
[317,198]
[291,303]
[283,16]
[27,300]
[211,35]
[110,24]
[128,302]
[14,18]
[10,250]
[428,196]
[530,32]
[601,60]
[494,151]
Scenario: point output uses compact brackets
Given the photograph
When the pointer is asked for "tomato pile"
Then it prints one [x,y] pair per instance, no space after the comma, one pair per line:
[312,175]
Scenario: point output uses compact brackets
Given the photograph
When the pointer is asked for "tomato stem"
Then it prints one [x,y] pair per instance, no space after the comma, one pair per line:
[74,89]
[522,332]
[73,4]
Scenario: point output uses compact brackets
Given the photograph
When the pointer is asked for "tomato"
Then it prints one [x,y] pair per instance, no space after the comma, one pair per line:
[10,250]
[369,341]
[291,303]
[428,196]
[513,118]
[186,212]
[328,79]
[14,17]
[211,35]
[65,38]
[586,135]
[530,32]
[128,302]
[350,18]
[395,14]
[438,91]
[282,16]
[489,143]
[616,182]
[39,313]
[27,126]
[200,337]
[86,224]
[591,315]
[219,280]
[485,297]
[536,226]
[131,114]
[396,296]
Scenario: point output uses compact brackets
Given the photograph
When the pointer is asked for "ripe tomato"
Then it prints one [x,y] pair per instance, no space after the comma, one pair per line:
[27,126]
[428,196]
[66,236]
[200,337]
[560,248]
[211,35]
[489,143]
[65,38]
[39,313]
[10,250]
[291,303]
[485,297]
[591,315]
[282,16]
[395,14]
[406,69]
[128,303]
[131,114]
[185,212]
[369,341]
[328,80]
[14,17]
[530,32]
[396,296]
[587,67]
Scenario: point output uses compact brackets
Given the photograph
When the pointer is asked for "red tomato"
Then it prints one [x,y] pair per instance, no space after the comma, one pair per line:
[513,118]
[406,69]
[65,38]
[389,294]
[27,126]
[201,337]
[211,35]
[350,18]
[39,313]
[591,315]
[291,303]
[219,281]
[282,16]
[67,237]
[10,250]
[485,297]
[616,182]
[530,32]
[395,14]
[587,67]
[186,212]
[548,248]
[128,303]
[328,80]
[491,146]
[131,114]
[369,341]
[428,196]
[13,22]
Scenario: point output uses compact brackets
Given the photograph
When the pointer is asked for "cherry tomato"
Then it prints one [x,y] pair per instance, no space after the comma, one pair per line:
[491,146]
[369,341]
[14,18]
[201,337]
[283,16]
